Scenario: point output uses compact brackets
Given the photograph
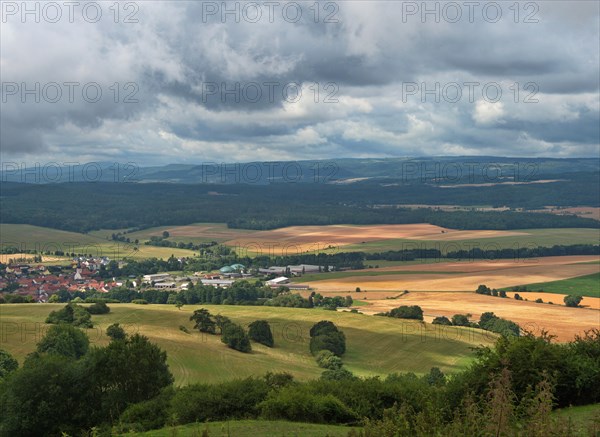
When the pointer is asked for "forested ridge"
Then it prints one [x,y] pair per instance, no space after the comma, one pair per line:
[84,206]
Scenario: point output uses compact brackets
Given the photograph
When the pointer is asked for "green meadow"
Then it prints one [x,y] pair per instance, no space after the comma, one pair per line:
[375,345]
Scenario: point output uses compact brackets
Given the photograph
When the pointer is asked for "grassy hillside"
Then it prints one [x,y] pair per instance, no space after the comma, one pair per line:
[27,237]
[588,285]
[375,345]
[250,428]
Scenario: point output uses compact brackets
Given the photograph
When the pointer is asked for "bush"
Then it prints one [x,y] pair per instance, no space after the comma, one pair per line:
[441,320]
[64,340]
[572,300]
[235,337]
[230,400]
[140,301]
[328,360]
[260,332]
[322,327]
[337,375]
[7,364]
[460,320]
[184,329]
[115,332]
[326,336]
[297,403]
[407,312]
[99,308]
[334,342]
[147,415]
[490,322]
[71,314]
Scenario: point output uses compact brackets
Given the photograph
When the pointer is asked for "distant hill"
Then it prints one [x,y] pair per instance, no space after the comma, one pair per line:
[467,169]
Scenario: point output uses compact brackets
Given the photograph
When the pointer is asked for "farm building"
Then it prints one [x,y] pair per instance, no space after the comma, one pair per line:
[156,277]
[223,283]
[282,280]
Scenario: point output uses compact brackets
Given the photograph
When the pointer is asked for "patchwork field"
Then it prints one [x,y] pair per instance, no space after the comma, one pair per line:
[375,345]
[559,320]
[460,276]
[293,240]
[27,237]
[369,238]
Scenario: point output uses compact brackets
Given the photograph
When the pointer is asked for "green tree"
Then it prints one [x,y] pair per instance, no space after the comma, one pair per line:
[126,372]
[260,332]
[64,340]
[436,377]
[221,322]
[7,364]
[407,312]
[115,332]
[572,300]
[71,314]
[98,308]
[460,320]
[49,395]
[441,320]
[235,337]
[203,321]
[328,360]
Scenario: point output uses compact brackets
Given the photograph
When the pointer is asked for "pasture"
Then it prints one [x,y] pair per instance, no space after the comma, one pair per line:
[375,345]
[588,285]
[27,237]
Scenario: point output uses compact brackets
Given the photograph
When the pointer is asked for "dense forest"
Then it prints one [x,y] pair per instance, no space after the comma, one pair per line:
[88,206]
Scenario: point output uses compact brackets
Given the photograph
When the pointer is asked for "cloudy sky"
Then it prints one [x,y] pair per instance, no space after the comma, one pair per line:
[188,82]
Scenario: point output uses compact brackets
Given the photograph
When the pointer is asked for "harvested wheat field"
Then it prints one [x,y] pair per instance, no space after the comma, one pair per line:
[298,239]
[559,320]
[28,256]
[464,276]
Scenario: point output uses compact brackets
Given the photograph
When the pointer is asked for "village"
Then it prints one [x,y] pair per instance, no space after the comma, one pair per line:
[39,282]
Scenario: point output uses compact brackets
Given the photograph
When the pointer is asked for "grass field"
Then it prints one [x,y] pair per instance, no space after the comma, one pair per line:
[585,418]
[27,237]
[587,285]
[375,345]
[525,238]
[250,428]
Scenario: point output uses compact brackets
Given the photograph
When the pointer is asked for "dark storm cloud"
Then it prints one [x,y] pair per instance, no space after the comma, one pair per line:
[167,83]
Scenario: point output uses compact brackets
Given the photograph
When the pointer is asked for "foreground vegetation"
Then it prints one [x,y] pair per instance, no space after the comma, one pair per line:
[248,428]
[66,387]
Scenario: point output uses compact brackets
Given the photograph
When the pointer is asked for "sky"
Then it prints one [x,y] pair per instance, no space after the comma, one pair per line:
[156,82]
